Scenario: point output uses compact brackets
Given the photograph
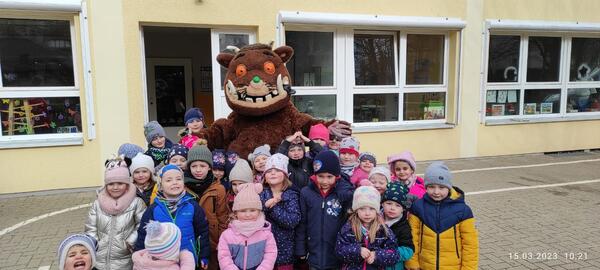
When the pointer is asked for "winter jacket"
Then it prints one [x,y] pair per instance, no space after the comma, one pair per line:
[357,175]
[300,170]
[143,261]
[189,218]
[322,216]
[237,251]
[443,233]
[148,194]
[159,154]
[401,230]
[115,232]
[284,217]
[418,189]
[348,248]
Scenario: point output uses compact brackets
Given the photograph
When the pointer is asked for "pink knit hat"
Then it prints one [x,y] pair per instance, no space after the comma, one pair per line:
[319,131]
[405,156]
[247,197]
[116,172]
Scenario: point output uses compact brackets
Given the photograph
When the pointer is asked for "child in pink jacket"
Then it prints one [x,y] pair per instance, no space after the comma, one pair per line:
[162,243]
[403,167]
[248,242]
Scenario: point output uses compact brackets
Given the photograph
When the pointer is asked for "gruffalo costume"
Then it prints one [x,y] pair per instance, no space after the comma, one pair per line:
[258,89]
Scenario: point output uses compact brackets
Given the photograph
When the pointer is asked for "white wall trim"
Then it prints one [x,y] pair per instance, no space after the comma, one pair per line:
[87,72]
[45,5]
[550,26]
[41,140]
[302,17]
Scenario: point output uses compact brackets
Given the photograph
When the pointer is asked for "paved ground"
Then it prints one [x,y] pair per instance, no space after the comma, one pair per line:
[539,228]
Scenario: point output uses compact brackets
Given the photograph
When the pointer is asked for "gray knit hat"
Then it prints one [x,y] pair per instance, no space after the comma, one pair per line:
[438,173]
[241,172]
[130,150]
[152,130]
[261,150]
[200,152]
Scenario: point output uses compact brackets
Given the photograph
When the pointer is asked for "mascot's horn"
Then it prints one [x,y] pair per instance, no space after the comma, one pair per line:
[233,48]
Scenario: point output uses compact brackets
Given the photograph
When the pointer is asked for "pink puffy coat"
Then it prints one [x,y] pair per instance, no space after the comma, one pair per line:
[236,251]
[143,261]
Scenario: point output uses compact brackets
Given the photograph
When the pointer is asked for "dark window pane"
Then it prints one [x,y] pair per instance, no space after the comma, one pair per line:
[36,53]
[425,59]
[543,60]
[318,106]
[375,107]
[503,63]
[502,102]
[23,116]
[583,100]
[237,40]
[170,95]
[374,59]
[541,101]
[312,64]
[585,59]
[424,106]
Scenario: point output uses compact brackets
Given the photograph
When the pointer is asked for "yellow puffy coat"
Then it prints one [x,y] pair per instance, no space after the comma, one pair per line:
[444,234]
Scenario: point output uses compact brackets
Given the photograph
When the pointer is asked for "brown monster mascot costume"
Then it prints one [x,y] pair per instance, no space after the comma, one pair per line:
[257,89]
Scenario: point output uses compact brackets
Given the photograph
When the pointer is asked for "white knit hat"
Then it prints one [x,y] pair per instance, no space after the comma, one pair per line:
[383,171]
[141,161]
[241,172]
[366,196]
[163,240]
[279,162]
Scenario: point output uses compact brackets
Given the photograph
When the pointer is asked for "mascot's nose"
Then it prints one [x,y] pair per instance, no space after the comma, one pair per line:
[256,79]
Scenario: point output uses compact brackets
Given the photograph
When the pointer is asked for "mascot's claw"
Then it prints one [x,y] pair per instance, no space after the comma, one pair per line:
[340,129]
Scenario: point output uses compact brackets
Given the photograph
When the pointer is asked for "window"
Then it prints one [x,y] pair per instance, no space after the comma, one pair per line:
[561,77]
[369,76]
[38,88]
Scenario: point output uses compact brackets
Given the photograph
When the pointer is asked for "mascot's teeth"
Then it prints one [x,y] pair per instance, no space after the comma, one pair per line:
[249,99]
[279,85]
[275,93]
[242,96]
[286,80]
[268,97]
[231,87]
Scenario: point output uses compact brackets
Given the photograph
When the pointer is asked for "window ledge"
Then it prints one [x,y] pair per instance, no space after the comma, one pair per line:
[401,127]
[41,140]
[518,121]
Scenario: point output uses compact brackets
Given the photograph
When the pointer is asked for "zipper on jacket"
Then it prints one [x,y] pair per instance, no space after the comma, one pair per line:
[421,239]
[245,253]
[321,262]
[214,199]
[437,238]
[456,242]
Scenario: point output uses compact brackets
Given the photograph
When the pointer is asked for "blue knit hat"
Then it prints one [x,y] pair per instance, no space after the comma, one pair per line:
[76,239]
[193,114]
[169,167]
[397,192]
[438,173]
[219,159]
[177,150]
[130,150]
[327,161]
[152,130]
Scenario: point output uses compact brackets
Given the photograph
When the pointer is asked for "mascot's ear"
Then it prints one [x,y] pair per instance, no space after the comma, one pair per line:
[224,59]
[285,53]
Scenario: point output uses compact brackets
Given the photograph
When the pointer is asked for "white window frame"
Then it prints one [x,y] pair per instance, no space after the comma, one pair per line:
[526,29]
[55,139]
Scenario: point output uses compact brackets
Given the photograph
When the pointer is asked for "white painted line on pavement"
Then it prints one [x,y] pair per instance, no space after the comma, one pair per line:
[526,166]
[532,187]
[47,267]
[31,220]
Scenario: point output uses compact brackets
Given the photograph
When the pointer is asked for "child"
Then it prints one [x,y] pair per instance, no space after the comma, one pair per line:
[218,168]
[323,204]
[403,167]
[365,242]
[159,145]
[442,225]
[282,209]
[366,163]
[300,165]
[395,204]
[173,204]
[194,123]
[380,178]
[258,160]
[240,174]
[212,196]
[77,251]
[178,156]
[114,217]
[248,242]
[142,170]
[349,155]
[319,134]
[163,242]
[334,144]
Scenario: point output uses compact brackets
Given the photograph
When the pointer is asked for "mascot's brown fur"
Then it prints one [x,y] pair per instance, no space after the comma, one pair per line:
[257,88]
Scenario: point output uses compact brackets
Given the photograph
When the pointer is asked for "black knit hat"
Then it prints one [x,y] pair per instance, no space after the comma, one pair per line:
[327,161]
[397,192]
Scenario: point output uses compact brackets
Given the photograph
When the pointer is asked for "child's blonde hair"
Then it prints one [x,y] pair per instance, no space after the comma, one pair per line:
[376,224]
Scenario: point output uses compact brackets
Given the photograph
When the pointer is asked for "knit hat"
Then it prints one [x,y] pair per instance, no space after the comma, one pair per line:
[141,161]
[219,159]
[163,240]
[368,156]
[278,162]
[261,150]
[247,197]
[327,161]
[116,172]
[193,114]
[397,192]
[319,131]
[366,196]
[438,173]
[152,130]
[200,152]
[350,145]
[169,167]
[178,150]
[241,172]
[383,171]
[129,150]
[232,158]
[405,156]
[76,239]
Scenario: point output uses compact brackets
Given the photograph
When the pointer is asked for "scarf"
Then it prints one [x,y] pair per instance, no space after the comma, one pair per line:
[410,181]
[116,206]
[158,154]
[348,169]
[248,228]
[196,185]
[171,203]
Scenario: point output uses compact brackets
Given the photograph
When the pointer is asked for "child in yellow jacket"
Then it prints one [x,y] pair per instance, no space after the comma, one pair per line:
[443,226]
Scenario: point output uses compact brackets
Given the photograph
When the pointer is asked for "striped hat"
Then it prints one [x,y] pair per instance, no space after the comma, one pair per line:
[163,240]
[76,239]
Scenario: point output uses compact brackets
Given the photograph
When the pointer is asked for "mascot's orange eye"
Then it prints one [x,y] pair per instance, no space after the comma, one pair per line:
[240,70]
[269,67]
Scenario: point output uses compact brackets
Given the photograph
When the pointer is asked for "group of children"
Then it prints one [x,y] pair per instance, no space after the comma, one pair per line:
[181,206]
